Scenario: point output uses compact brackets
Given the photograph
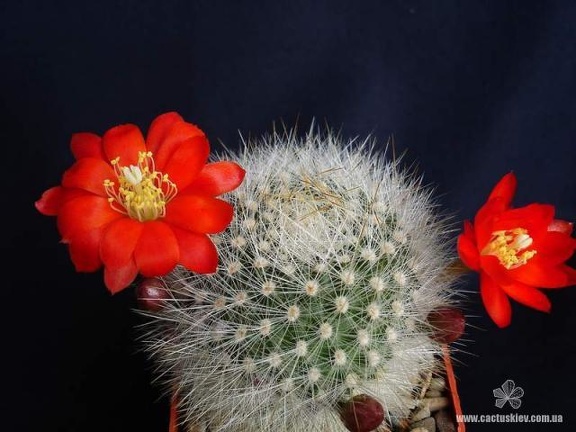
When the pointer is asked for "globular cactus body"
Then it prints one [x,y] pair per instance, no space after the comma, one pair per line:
[327,273]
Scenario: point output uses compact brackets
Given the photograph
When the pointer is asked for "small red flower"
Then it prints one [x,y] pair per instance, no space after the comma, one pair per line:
[516,251]
[136,205]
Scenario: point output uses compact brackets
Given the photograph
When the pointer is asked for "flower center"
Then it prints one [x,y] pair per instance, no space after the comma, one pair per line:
[509,246]
[142,192]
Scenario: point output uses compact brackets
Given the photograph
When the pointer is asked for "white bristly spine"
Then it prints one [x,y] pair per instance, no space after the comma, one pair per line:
[333,261]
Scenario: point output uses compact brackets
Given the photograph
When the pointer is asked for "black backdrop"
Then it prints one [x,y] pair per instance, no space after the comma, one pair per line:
[469,90]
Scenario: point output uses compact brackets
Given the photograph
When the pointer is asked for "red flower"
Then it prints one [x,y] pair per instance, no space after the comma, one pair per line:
[516,251]
[135,205]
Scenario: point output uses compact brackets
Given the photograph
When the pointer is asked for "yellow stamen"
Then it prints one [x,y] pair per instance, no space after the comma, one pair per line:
[142,192]
[509,247]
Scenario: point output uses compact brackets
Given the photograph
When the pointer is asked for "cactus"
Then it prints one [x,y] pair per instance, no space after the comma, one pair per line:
[327,274]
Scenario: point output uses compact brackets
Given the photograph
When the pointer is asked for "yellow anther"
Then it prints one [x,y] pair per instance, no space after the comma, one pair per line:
[509,246]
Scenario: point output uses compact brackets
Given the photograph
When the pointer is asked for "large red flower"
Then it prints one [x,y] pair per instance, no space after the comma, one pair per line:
[516,251]
[142,205]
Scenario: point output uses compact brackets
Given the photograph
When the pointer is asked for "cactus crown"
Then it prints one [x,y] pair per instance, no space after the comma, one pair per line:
[326,276]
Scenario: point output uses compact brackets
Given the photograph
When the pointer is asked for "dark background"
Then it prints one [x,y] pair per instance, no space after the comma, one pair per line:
[469,90]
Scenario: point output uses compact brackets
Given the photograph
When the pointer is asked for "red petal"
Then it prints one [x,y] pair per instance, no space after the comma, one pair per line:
[119,241]
[495,301]
[538,274]
[116,279]
[505,189]
[485,217]
[200,214]
[157,250]
[555,247]
[178,133]
[492,267]
[561,226]
[197,252]
[534,217]
[186,161]
[89,174]
[160,128]
[174,136]
[86,144]
[217,178]
[85,250]
[84,214]
[528,296]
[51,201]
[467,248]
[125,142]
[570,273]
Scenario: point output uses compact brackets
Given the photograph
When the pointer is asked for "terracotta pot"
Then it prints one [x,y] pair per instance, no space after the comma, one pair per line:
[453,390]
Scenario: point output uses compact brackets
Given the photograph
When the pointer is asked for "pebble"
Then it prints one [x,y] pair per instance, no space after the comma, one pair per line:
[436,403]
[422,413]
[432,413]
[444,421]
[428,424]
